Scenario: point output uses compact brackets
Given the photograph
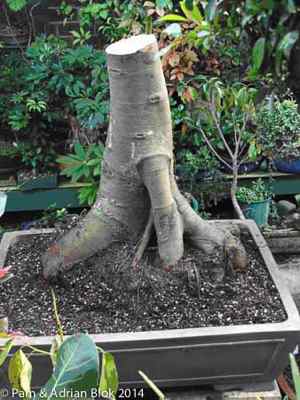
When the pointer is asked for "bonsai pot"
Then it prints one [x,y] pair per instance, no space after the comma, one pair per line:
[288,166]
[258,211]
[28,181]
[236,354]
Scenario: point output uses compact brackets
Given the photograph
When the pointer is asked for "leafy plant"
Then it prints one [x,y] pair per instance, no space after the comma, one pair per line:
[37,157]
[278,126]
[16,5]
[258,191]
[85,166]
[226,113]
[271,25]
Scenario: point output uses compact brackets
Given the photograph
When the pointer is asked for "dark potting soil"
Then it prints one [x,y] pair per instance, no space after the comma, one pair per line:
[105,294]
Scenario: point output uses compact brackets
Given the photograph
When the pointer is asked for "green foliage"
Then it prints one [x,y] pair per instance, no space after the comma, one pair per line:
[278,125]
[5,350]
[228,111]
[39,157]
[52,215]
[19,373]
[258,191]
[272,23]
[76,368]
[16,5]
[85,166]
[295,375]
[56,83]
[109,375]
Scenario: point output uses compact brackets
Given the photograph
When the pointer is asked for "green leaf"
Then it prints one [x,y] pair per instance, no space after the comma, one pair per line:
[70,159]
[79,150]
[20,372]
[295,375]
[252,151]
[172,18]
[16,5]
[194,14]
[109,374]
[189,4]
[258,53]
[4,352]
[211,9]
[287,42]
[77,368]
[291,7]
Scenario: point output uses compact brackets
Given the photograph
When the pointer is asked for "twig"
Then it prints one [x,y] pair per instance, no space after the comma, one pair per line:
[13,34]
[31,17]
[213,150]
[213,114]
[56,315]
[144,242]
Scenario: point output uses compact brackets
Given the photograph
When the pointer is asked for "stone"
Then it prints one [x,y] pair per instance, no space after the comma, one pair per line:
[294,221]
[290,273]
[285,207]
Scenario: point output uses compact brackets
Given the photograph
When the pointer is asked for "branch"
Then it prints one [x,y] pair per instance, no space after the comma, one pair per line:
[213,150]
[213,113]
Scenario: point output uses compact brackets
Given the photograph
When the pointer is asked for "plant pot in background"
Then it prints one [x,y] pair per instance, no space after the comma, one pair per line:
[258,211]
[42,181]
[290,167]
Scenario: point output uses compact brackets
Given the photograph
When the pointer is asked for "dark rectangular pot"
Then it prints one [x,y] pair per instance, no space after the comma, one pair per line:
[39,182]
[195,356]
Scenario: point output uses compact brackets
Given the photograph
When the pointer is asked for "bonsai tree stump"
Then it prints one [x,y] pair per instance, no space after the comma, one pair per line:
[137,182]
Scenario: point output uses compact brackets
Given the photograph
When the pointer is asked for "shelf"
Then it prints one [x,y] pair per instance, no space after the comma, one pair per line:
[66,194]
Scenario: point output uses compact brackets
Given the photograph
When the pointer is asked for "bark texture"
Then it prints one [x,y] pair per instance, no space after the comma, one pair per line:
[137,170]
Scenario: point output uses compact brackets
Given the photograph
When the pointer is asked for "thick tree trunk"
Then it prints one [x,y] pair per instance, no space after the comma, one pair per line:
[137,170]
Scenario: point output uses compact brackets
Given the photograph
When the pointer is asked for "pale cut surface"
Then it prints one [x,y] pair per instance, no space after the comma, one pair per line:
[131,45]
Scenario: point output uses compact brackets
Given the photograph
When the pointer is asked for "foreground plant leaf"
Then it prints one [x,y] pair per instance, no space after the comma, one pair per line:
[109,374]
[19,373]
[76,369]
[295,375]
[4,351]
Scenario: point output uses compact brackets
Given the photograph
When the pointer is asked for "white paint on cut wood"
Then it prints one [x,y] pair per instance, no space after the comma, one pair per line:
[130,45]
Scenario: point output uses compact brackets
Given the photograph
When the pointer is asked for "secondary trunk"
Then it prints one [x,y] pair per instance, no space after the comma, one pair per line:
[137,171]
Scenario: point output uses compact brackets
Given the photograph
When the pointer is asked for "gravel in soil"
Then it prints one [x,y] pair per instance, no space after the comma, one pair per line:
[105,294]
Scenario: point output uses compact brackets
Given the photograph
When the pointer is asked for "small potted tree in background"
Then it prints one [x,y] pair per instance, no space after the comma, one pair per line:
[233,106]
[255,201]
[279,133]
[40,168]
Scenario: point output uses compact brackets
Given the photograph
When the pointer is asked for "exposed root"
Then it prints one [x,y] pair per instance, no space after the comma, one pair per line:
[144,242]
[91,234]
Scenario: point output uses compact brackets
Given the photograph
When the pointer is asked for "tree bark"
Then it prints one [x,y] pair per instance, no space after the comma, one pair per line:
[137,170]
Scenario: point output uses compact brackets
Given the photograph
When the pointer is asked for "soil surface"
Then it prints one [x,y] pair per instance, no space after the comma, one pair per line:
[107,295]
